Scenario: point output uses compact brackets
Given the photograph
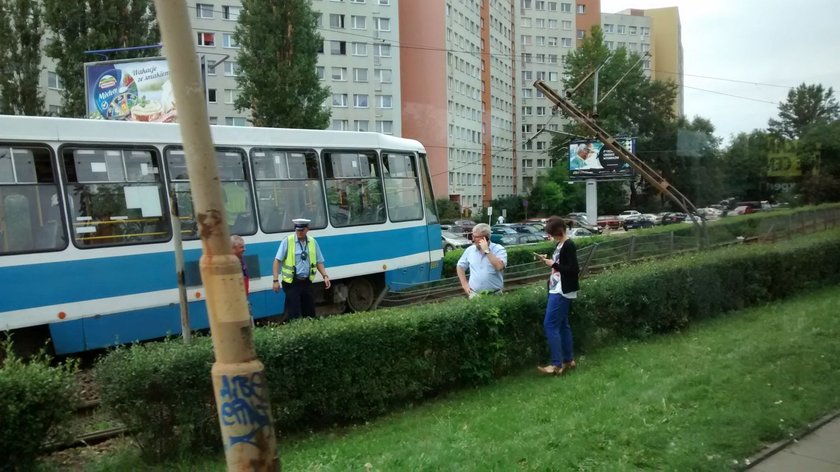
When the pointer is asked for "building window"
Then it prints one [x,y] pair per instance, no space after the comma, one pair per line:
[540,40]
[633,30]
[567,25]
[581,34]
[527,75]
[231,69]
[526,40]
[203,10]
[527,163]
[540,162]
[525,22]
[230,96]
[339,73]
[552,6]
[566,42]
[235,121]
[383,24]
[540,23]
[362,125]
[358,22]
[230,12]
[539,5]
[339,100]
[385,127]
[621,29]
[384,101]
[210,67]
[360,75]
[214,120]
[360,49]
[552,41]
[581,9]
[54,110]
[339,125]
[552,76]
[552,24]
[360,101]
[382,50]
[384,76]
[211,95]
[338,48]
[229,41]
[566,7]
[336,21]
[645,31]
[320,72]
[206,39]
[385,2]
[609,28]
[54,81]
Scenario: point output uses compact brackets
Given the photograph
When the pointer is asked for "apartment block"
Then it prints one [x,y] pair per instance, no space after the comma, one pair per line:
[458,82]
[546,33]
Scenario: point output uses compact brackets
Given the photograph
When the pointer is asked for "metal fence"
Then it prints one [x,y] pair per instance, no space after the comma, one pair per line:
[628,248]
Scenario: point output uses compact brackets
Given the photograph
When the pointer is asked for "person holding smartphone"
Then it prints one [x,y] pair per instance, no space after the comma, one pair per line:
[485,261]
[562,289]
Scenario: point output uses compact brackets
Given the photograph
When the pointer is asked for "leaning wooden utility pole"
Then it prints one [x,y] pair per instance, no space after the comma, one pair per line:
[239,381]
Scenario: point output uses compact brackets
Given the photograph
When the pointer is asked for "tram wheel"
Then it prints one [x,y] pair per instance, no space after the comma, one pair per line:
[360,294]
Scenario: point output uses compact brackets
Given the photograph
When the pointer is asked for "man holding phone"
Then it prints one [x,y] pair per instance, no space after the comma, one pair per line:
[485,261]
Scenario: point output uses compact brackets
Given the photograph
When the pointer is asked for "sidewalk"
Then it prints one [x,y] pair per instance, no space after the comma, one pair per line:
[817,451]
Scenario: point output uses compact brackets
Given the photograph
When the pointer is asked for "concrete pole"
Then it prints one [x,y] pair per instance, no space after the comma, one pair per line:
[186,332]
[239,381]
[592,184]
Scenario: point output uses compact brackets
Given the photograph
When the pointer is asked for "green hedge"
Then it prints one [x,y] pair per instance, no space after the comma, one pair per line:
[353,367]
[35,398]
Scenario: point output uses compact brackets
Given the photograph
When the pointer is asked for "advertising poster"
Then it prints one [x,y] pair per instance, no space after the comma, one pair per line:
[130,90]
[592,160]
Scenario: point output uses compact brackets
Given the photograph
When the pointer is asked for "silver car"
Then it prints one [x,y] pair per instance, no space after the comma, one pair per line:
[452,241]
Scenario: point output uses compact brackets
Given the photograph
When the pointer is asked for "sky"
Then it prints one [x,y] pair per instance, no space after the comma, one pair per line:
[754,49]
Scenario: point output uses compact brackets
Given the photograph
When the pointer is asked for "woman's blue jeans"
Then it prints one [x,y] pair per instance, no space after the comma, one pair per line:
[557,329]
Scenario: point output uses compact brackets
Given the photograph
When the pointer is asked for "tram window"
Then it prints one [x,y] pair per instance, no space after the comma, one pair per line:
[236,191]
[402,187]
[115,196]
[288,185]
[354,191]
[30,216]
[428,195]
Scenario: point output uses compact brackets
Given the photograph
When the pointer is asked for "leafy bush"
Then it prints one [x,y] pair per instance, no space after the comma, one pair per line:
[163,393]
[35,398]
[353,367]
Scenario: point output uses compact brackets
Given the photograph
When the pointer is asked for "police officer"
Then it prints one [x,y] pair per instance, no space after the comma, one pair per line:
[299,256]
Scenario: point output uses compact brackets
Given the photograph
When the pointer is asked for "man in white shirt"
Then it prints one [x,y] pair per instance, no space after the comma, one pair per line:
[485,261]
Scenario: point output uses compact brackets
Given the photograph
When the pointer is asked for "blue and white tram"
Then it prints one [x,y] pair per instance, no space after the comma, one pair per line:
[86,234]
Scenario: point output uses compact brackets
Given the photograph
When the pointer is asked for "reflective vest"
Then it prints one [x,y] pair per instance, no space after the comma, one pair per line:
[288,269]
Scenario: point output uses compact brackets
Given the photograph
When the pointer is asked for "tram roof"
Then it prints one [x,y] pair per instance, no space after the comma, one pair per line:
[32,128]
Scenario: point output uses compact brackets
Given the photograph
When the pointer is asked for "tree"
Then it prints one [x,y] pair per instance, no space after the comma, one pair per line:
[806,105]
[278,81]
[21,30]
[819,156]
[447,209]
[745,165]
[638,106]
[83,25]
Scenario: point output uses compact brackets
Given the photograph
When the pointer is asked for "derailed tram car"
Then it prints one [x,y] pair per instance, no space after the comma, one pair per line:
[86,245]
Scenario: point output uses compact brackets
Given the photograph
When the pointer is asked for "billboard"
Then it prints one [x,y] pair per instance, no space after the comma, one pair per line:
[590,159]
[130,90]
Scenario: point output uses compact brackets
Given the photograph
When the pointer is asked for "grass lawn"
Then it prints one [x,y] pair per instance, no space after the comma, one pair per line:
[706,399]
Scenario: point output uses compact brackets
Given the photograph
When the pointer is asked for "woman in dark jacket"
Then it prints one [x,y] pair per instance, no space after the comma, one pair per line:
[562,289]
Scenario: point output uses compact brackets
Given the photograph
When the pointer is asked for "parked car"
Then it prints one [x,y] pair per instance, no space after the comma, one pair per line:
[653,218]
[673,217]
[516,238]
[742,210]
[453,241]
[575,233]
[627,214]
[576,223]
[498,231]
[521,228]
[636,222]
[611,222]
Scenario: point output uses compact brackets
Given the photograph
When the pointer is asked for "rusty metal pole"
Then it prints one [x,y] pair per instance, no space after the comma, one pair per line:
[239,381]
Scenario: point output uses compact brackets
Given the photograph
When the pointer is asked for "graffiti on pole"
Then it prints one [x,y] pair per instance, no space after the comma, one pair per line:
[245,408]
